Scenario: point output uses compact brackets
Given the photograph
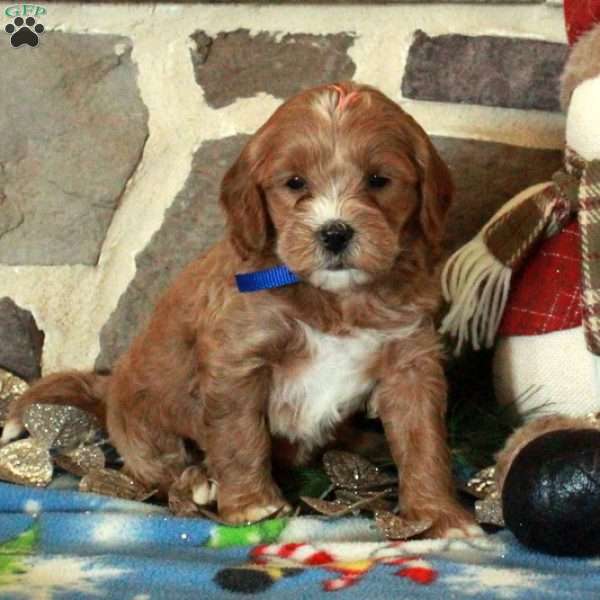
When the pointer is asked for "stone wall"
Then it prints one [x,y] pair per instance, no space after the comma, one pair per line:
[117,127]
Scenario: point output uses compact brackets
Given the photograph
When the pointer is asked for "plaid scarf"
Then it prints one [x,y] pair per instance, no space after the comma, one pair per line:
[476,279]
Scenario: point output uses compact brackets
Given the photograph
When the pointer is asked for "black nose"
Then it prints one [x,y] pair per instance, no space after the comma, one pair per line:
[335,236]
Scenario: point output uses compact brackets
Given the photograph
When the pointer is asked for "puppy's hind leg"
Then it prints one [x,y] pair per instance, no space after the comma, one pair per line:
[192,489]
[155,460]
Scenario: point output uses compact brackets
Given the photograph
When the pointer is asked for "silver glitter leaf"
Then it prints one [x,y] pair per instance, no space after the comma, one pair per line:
[397,528]
[81,460]
[114,483]
[59,427]
[489,510]
[483,483]
[26,462]
[11,387]
[350,471]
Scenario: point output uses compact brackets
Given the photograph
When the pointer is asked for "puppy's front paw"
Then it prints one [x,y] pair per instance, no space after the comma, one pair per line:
[454,522]
[253,511]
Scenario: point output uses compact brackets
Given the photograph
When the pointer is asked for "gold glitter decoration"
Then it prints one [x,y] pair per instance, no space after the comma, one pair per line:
[59,427]
[11,387]
[26,462]
[397,528]
[335,508]
[114,483]
[482,484]
[489,510]
[81,460]
[374,501]
[350,471]
[339,508]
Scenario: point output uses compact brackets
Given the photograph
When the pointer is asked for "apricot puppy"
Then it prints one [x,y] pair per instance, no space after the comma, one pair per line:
[346,190]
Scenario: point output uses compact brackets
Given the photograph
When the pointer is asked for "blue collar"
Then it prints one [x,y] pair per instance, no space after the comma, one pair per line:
[265,280]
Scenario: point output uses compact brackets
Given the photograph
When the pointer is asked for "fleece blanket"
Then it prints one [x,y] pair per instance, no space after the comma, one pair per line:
[64,545]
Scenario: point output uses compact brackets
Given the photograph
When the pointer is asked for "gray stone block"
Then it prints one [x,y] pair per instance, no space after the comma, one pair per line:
[73,130]
[487,70]
[486,176]
[192,224]
[21,341]
[236,65]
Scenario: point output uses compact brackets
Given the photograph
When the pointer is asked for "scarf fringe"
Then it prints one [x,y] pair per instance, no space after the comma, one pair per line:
[477,285]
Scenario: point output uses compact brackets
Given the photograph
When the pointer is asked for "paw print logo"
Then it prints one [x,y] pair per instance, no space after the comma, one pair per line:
[24,32]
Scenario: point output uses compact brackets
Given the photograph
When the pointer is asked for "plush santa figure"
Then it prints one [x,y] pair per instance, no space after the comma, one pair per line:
[530,283]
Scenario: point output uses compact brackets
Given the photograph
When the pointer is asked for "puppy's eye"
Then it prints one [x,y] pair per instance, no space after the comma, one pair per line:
[295,183]
[377,181]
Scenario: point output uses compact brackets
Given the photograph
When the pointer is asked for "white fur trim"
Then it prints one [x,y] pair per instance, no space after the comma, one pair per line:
[546,374]
[583,125]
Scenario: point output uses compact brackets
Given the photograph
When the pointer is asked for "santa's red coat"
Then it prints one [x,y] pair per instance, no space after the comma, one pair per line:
[545,293]
[580,16]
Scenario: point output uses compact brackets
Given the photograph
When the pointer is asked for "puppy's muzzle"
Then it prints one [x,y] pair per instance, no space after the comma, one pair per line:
[335,236]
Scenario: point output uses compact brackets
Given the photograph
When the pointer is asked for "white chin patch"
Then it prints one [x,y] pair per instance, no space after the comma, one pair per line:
[334,281]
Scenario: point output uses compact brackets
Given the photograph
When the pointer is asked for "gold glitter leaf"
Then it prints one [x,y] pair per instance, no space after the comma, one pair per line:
[60,427]
[347,470]
[26,462]
[371,501]
[114,483]
[339,508]
[489,510]
[325,507]
[397,528]
[483,483]
[11,387]
[81,460]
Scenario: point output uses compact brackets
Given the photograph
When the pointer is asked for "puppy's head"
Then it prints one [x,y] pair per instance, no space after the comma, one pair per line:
[340,183]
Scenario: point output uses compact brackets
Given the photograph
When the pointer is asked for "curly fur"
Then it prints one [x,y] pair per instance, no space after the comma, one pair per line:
[238,374]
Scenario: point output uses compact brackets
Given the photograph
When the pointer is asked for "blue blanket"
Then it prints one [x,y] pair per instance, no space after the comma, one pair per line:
[61,544]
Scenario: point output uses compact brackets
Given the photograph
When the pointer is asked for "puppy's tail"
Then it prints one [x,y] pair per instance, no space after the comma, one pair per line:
[74,388]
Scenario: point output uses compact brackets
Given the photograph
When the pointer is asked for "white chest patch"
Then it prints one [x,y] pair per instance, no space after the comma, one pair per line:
[306,406]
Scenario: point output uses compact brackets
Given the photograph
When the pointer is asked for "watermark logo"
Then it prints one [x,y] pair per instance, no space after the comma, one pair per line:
[25,28]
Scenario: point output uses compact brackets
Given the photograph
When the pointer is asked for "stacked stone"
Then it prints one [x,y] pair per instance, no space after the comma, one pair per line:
[78,114]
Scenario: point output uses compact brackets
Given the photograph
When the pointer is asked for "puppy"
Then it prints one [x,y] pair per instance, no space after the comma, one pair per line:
[346,190]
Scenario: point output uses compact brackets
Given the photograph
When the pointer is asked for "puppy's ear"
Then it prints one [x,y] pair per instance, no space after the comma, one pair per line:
[243,201]
[437,190]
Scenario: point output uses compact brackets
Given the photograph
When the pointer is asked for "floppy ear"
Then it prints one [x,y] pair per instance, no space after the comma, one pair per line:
[437,190]
[243,201]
